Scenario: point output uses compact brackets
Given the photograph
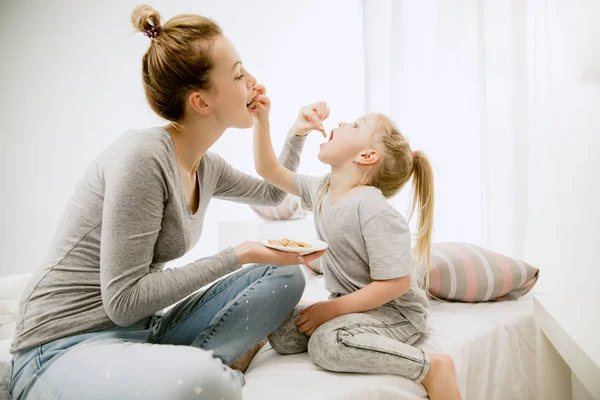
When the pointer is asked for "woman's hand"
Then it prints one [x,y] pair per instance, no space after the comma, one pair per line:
[261,106]
[254,252]
[309,119]
[316,315]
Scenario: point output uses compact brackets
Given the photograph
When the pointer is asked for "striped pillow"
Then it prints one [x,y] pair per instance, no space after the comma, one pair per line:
[290,208]
[468,273]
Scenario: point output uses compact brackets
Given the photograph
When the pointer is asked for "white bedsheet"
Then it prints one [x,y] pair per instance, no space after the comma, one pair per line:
[492,344]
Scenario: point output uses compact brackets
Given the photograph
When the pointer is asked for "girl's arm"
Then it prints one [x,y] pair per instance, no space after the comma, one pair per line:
[265,161]
[375,294]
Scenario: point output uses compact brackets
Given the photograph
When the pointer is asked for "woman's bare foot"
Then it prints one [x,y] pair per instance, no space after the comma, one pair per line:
[244,361]
[440,381]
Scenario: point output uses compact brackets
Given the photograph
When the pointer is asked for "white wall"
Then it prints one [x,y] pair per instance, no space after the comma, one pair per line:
[70,85]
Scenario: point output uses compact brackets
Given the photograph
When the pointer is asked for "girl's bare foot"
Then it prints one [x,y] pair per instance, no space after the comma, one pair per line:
[440,381]
[244,361]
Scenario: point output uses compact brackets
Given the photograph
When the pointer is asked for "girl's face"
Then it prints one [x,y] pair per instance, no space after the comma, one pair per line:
[351,141]
[232,86]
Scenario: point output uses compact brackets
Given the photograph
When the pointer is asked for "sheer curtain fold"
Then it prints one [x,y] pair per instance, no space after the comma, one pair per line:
[504,97]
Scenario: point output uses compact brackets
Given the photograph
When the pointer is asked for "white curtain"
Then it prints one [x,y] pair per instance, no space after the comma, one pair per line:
[505,99]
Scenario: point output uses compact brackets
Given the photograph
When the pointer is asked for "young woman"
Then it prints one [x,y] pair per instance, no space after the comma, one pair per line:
[87,327]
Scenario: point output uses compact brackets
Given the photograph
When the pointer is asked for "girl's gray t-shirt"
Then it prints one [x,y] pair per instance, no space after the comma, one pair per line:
[368,240]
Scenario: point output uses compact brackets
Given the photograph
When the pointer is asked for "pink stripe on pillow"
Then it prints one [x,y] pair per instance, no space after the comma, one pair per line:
[268,213]
[283,210]
[276,211]
[506,275]
[290,208]
[469,272]
[434,280]
[487,269]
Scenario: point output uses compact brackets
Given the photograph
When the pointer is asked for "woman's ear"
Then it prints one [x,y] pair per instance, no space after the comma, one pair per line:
[368,157]
[199,102]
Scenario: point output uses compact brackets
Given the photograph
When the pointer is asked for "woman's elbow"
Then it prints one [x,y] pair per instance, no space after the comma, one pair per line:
[117,313]
[276,197]
[119,318]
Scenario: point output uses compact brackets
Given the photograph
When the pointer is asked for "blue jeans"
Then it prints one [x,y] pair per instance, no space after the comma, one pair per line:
[182,355]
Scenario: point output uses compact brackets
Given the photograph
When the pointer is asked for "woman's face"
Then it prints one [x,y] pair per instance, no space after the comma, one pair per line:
[232,86]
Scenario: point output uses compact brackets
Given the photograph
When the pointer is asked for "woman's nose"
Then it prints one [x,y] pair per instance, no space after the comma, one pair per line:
[340,125]
[251,81]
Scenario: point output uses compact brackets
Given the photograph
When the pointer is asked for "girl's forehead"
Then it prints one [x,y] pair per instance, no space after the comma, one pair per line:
[370,120]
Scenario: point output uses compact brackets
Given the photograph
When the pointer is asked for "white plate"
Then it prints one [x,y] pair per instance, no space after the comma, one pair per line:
[317,245]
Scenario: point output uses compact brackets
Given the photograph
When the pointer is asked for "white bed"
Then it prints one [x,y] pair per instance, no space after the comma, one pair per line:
[492,344]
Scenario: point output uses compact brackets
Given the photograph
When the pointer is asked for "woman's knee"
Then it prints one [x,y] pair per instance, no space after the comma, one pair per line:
[292,279]
[209,386]
[111,370]
[197,378]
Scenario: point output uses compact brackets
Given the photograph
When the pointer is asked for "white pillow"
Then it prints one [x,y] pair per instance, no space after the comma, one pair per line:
[8,311]
[11,289]
[5,366]
[12,286]
[290,208]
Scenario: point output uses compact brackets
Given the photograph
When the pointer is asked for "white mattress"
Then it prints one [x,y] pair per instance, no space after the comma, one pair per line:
[492,344]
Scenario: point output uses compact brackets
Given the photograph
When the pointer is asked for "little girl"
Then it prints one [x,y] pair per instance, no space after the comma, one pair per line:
[376,310]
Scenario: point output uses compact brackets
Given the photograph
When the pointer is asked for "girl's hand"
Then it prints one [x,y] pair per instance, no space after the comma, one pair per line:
[254,252]
[309,119]
[316,315]
[261,106]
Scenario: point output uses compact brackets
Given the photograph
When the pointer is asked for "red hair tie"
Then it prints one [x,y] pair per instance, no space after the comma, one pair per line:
[412,153]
